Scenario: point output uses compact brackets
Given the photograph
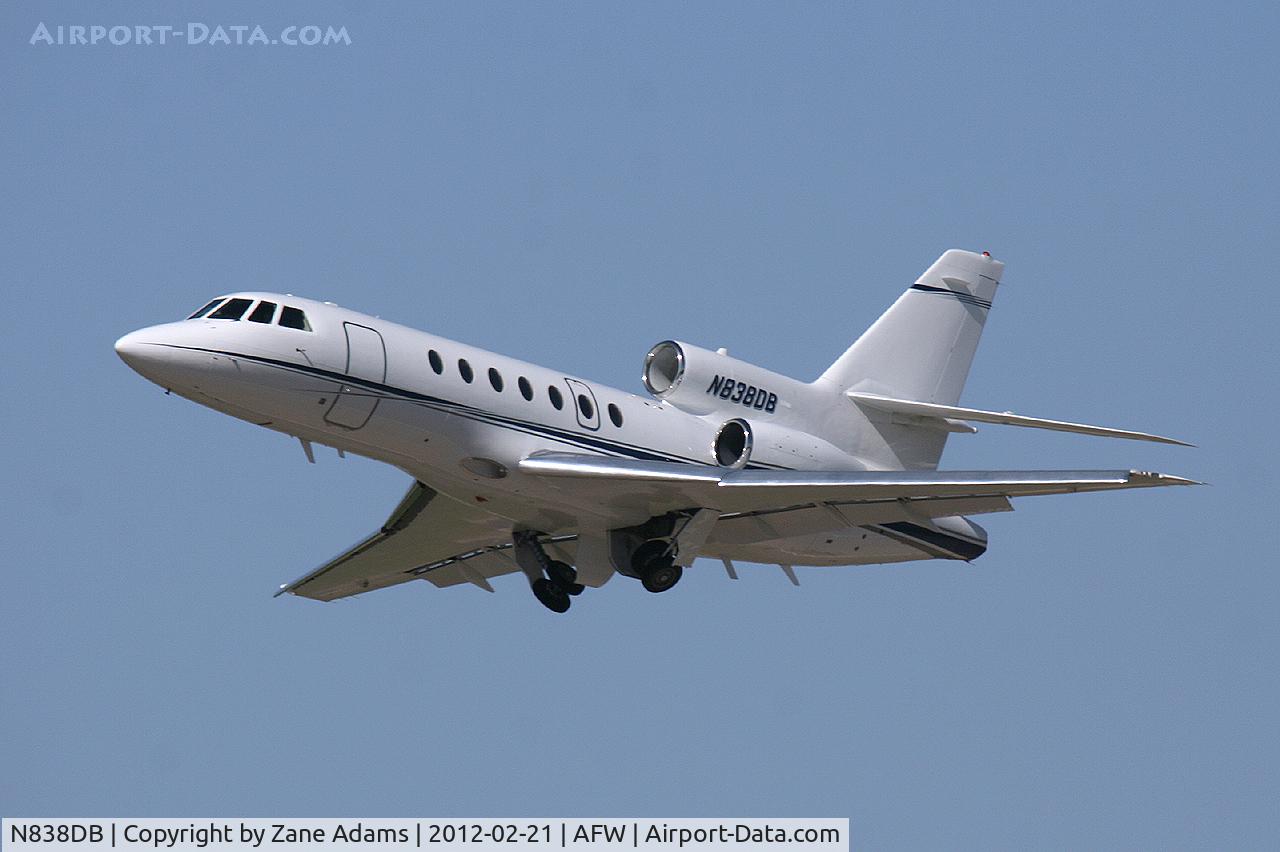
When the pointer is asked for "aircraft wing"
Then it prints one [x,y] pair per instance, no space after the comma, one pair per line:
[446,542]
[428,536]
[676,485]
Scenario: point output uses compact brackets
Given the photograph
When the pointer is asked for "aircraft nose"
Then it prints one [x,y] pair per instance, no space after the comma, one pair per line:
[130,349]
[145,352]
[161,354]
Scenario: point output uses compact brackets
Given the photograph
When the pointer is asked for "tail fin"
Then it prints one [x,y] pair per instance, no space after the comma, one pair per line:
[921,348]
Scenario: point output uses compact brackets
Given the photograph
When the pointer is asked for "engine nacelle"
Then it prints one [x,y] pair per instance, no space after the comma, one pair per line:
[733,444]
[699,381]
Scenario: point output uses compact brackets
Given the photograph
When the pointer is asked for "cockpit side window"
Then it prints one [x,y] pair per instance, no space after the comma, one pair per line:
[232,310]
[294,318]
[207,308]
[263,313]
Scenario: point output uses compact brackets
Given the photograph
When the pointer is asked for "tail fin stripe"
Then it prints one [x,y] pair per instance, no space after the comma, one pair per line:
[964,297]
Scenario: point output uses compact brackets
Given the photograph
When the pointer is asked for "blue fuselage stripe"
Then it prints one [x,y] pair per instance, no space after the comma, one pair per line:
[958,547]
[473,413]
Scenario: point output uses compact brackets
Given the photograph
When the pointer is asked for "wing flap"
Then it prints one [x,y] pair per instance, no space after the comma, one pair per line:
[743,528]
[481,565]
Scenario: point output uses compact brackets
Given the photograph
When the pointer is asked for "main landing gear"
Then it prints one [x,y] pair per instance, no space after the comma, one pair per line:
[655,565]
[554,590]
[553,582]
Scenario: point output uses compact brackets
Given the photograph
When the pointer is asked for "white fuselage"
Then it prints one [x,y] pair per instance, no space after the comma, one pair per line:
[367,386]
[381,390]
[725,459]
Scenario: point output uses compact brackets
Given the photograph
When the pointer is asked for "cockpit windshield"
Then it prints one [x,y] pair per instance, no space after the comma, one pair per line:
[207,308]
[224,308]
[263,313]
[294,318]
[232,309]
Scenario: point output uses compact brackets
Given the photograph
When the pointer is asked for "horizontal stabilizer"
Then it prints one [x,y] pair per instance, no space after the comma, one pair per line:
[946,413]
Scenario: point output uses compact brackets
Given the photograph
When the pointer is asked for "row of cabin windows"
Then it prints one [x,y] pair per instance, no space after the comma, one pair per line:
[264,312]
[526,389]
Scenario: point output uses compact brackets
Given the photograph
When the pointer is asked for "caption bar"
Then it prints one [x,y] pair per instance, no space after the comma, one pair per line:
[397,835]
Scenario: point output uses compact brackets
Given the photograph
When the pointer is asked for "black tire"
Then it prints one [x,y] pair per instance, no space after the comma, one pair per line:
[565,576]
[646,554]
[661,575]
[550,595]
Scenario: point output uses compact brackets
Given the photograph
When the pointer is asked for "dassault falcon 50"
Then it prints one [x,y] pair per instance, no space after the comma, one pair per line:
[520,468]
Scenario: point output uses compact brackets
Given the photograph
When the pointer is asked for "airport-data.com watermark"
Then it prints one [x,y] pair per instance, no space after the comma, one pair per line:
[195,33]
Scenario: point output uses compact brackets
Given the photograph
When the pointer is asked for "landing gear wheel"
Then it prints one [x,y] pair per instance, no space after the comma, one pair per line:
[550,595]
[661,575]
[647,554]
[564,576]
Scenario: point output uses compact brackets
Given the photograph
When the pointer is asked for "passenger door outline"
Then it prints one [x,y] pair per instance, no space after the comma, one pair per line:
[577,388]
[354,404]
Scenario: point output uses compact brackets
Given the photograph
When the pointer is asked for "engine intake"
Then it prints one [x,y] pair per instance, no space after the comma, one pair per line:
[703,382]
[663,368]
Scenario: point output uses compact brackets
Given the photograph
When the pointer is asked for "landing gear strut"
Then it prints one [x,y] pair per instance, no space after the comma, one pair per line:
[552,581]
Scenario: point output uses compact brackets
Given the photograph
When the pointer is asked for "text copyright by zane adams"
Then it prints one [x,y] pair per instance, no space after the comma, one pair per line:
[193,33]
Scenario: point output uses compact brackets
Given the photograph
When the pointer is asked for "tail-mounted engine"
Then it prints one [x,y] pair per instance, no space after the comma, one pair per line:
[732,446]
[699,381]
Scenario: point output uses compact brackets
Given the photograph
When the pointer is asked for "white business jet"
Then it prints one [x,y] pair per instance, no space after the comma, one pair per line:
[520,468]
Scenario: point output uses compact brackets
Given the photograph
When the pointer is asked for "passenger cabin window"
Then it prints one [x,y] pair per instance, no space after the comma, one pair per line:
[553,394]
[615,414]
[206,308]
[294,318]
[526,389]
[263,313]
[232,310]
[495,379]
[584,405]
[437,365]
[464,370]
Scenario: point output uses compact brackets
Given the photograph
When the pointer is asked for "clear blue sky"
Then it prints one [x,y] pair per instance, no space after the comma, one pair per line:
[569,184]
